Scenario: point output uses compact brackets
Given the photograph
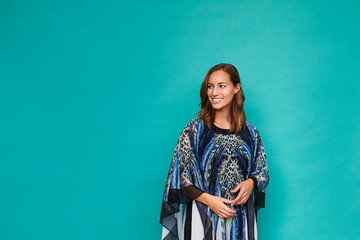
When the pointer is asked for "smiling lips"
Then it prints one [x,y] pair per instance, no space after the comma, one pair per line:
[216,100]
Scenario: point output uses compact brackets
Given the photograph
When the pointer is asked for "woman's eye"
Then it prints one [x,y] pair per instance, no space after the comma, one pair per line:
[209,86]
[222,86]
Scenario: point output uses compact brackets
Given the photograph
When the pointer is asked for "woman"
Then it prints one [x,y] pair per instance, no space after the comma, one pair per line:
[218,173]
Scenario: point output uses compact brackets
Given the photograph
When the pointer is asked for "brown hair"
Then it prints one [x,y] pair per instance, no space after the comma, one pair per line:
[207,112]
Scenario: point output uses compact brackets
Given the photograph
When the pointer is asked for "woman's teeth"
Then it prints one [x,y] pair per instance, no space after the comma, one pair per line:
[216,100]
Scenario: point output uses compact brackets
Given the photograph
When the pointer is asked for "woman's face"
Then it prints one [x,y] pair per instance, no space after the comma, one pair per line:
[220,90]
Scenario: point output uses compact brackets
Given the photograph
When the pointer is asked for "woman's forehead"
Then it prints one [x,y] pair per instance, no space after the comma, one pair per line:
[219,77]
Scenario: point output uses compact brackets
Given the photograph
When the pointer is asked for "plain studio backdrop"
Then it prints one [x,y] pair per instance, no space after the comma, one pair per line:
[94,95]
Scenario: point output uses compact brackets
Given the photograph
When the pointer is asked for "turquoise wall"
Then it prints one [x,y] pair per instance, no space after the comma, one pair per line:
[94,95]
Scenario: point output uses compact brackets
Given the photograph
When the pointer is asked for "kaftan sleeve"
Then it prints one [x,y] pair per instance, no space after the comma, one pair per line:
[192,191]
[185,155]
[259,171]
[183,184]
[187,165]
[181,170]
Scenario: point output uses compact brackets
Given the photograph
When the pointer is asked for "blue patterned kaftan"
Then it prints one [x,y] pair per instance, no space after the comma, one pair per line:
[213,161]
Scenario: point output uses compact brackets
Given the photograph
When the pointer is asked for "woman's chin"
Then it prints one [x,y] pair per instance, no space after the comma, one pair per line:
[216,107]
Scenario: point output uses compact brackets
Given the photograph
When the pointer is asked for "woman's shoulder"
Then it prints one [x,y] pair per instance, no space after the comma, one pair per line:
[252,129]
[192,126]
[194,122]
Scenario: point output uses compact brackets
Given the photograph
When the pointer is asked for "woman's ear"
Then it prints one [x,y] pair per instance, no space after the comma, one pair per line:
[237,88]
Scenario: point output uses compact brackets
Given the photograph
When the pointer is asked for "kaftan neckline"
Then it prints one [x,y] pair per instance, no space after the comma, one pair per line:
[220,130]
[223,130]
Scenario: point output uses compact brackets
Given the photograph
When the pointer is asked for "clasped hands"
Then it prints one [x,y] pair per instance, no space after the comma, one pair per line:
[245,189]
[217,204]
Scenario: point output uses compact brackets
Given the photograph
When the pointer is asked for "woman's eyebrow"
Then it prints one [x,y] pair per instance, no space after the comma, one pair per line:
[218,83]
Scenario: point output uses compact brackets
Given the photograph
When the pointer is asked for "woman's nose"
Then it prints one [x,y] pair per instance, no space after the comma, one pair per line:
[215,91]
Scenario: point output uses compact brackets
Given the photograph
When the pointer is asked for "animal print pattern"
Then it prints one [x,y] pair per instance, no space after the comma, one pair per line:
[230,171]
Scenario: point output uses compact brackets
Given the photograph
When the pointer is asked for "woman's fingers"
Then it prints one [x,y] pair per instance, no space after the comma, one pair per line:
[221,209]
[241,198]
[229,210]
[226,212]
[228,201]
[238,198]
[244,199]
[236,188]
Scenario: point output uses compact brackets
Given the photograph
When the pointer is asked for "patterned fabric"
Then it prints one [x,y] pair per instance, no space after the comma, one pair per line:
[215,162]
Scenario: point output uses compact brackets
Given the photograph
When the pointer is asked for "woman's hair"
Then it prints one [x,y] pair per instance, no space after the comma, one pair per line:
[207,112]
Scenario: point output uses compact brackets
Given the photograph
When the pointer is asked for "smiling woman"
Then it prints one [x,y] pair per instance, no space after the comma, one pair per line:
[222,98]
[221,90]
[218,173]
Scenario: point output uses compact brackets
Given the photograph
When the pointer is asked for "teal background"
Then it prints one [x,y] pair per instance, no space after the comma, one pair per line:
[94,95]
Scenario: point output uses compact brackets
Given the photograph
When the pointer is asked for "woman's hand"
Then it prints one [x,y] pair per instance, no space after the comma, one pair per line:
[217,204]
[245,189]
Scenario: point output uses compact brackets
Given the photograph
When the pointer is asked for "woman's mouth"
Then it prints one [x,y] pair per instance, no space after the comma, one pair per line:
[216,100]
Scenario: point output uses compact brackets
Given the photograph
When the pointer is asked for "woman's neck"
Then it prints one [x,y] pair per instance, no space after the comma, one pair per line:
[222,119]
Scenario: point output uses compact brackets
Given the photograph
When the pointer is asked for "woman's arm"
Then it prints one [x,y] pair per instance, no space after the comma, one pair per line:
[259,169]
[217,204]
